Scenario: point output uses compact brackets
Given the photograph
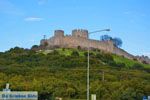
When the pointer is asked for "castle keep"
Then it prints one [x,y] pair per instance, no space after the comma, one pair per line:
[80,38]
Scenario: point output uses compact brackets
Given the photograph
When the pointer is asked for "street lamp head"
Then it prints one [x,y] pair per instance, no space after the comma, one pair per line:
[99,31]
[107,29]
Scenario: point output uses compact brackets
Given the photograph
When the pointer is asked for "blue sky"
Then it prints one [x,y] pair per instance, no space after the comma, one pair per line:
[24,22]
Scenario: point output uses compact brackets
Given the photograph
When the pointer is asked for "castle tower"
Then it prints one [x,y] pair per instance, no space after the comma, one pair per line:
[58,38]
[59,33]
[80,33]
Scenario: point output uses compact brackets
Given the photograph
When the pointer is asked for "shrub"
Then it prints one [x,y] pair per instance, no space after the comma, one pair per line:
[108,57]
[79,47]
[99,56]
[34,47]
[55,52]
[75,53]
[63,49]
[86,54]
[121,65]
[137,66]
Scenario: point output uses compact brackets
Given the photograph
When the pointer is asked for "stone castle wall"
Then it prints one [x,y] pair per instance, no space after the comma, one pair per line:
[80,38]
[121,52]
[70,41]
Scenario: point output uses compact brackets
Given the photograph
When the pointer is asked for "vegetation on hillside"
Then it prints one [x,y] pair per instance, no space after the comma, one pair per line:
[62,73]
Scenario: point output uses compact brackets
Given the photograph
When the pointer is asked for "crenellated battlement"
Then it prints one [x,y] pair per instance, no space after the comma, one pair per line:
[80,33]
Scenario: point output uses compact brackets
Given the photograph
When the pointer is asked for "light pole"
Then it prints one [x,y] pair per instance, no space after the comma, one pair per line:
[88,63]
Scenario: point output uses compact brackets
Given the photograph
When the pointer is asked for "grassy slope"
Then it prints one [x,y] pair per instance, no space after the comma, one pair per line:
[128,62]
[118,59]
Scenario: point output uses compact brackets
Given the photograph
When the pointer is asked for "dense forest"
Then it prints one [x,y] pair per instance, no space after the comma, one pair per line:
[62,73]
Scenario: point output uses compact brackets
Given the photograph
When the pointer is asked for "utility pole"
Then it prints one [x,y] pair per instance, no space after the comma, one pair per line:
[103,76]
[44,37]
[88,63]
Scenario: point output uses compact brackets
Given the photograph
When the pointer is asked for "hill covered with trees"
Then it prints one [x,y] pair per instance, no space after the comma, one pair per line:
[62,73]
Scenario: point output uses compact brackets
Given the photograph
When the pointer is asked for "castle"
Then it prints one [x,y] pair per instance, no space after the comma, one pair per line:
[80,38]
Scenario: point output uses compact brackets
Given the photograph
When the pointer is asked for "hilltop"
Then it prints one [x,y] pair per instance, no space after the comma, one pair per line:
[79,38]
[62,73]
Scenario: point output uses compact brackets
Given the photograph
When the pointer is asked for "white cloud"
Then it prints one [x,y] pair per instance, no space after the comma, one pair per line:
[33,19]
